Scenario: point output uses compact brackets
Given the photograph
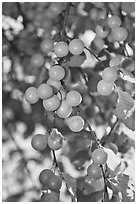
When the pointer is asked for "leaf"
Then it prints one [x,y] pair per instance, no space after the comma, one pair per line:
[125,104]
[83,191]
[113,161]
[70,181]
[128,76]
[50,197]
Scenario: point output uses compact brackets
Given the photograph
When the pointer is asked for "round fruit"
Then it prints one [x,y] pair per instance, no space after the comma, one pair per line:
[109,74]
[99,156]
[94,171]
[119,34]
[45,177]
[112,146]
[104,88]
[64,110]
[128,64]
[100,32]
[56,8]
[39,142]
[76,47]
[115,61]
[54,83]
[61,49]
[45,91]
[55,141]
[31,95]
[55,183]
[52,103]
[37,60]
[57,73]
[74,98]
[75,123]
[47,45]
[49,197]
[114,21]
[98,43]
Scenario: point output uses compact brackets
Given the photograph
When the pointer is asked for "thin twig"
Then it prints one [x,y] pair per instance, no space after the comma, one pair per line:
[105,184]
[63,32]
[112,129]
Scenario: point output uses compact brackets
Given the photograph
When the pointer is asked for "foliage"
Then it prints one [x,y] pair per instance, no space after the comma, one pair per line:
[68,90]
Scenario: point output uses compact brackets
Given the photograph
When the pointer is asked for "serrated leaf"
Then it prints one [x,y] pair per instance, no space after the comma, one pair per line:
[113,161]
[125,104]
[70,181]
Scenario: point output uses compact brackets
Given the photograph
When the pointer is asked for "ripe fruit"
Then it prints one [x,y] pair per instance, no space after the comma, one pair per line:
[112,146]
[45,176]
[49,197]
[119,34]
[75,123]
[45,91]
[57,73]
[98,43]
[76,47]
[114,21]
[100,32]
[104,88]
[37,60]
[61,49]
[115,61]
[99,156]
[39,142]
[31,95]
[52,103]
[64,110]
[54,83]
[56,8]
[74,98]
[94,171]
[55,183]
[128,64]
[47,45]
[109,74]
[55,141]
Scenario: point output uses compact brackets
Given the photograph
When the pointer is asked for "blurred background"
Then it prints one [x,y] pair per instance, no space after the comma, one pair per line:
[24,26]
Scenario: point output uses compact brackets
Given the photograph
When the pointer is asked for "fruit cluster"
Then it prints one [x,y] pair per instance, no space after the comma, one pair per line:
[50,181]
[105,86]
[99,157]
[52,92]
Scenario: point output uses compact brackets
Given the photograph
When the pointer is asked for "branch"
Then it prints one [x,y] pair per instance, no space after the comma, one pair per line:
[112,129]
[105,195]
[95,56]
[65,20]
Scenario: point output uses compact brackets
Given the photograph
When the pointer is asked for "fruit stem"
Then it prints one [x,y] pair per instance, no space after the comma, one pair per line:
[54,159]
[65,20]
[105,195]
[112,129]
[94,56]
